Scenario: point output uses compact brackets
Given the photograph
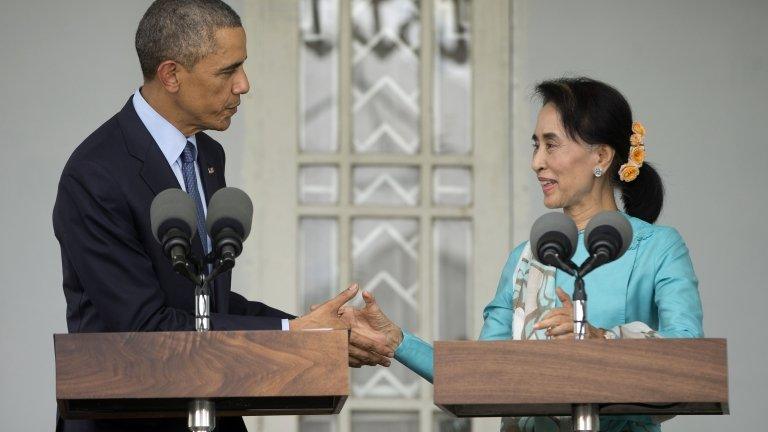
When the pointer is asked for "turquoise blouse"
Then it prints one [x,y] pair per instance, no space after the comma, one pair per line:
[653,282]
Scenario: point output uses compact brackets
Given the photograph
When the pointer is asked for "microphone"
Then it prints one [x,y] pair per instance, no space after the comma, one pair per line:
[607,236]
[230,213]
[173,219]
[553,240]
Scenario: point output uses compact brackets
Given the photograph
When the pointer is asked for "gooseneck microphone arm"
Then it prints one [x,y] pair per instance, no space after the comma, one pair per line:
[594,261]
[567,266]
[184,267]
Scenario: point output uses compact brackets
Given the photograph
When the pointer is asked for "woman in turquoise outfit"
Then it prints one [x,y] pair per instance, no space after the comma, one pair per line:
[585,147]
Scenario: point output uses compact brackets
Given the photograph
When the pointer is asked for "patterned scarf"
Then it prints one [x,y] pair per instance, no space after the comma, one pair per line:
[534,296]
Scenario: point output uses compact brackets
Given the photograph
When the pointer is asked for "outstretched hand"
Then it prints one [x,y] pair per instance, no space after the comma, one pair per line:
[326,315]
[370,322]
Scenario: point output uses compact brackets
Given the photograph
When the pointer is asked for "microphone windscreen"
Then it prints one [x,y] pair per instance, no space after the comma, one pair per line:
[554,222]
[612,219]
[172,208]
[230,208]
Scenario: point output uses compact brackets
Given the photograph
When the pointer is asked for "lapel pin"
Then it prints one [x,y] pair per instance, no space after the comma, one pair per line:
[211,170]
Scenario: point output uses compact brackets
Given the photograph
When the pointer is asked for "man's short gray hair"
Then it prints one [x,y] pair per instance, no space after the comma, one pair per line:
[182,31]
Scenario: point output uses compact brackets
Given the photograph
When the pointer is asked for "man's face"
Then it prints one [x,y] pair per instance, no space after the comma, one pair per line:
[210,92]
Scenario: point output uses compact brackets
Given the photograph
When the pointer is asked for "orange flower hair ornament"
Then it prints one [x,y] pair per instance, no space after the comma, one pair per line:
[630,170]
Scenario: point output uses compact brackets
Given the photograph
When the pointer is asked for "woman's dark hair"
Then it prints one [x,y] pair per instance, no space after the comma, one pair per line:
[598,114]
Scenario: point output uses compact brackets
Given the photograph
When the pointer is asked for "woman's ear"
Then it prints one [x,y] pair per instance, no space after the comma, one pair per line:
[605,155]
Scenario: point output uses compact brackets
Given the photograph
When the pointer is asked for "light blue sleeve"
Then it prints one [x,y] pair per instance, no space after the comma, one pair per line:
[418,355]
[497,316]
[676,289]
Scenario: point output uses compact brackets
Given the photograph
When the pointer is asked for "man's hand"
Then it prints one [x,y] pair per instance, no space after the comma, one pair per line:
[559,321]
[326,315]
[370,323]
[364,349]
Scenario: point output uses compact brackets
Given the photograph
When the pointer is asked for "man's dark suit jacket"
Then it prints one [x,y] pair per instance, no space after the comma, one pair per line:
[116,278]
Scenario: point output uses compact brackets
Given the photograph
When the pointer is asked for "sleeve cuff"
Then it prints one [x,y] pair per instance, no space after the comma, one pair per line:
[416,355]
[285,324]
[408,344]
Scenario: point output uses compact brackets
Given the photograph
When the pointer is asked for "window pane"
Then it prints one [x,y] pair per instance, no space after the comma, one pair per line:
[318,185]
[385,422]
[452,186]
[446,423]
[317,424]
[385,76]
[389,186]
[452,78]
[319,75]
[318,261]
[385,261]
[452,248]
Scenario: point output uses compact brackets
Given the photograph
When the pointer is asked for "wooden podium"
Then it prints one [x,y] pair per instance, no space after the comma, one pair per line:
[530,378]
[153,375]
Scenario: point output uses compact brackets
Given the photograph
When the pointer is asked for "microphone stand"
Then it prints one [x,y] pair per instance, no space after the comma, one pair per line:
[584,417]
[201,414]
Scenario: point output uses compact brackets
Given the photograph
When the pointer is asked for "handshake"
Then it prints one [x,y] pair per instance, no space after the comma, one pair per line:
[373,338]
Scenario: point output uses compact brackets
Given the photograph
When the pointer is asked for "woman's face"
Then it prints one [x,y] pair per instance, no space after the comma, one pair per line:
[564,167]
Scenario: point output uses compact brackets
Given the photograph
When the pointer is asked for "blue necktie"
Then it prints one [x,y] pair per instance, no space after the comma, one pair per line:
[188,160]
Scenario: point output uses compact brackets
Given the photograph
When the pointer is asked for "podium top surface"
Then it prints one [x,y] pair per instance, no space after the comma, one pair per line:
[512,378]
[279,371]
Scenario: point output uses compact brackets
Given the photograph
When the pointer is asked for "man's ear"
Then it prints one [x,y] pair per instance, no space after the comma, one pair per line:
[168,75]
[605,155]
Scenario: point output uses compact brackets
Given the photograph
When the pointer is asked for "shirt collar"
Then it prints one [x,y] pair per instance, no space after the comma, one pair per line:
[170,140]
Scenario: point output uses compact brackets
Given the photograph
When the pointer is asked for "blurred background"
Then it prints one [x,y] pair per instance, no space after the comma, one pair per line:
[388,142]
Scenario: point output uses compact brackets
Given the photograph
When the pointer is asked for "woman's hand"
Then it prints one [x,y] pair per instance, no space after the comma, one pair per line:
[559,321]
[370,322]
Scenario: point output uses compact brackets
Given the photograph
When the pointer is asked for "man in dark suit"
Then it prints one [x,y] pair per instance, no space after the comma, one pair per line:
[116,277]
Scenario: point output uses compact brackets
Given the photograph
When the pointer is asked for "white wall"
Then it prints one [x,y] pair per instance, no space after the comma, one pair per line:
[696,74]
[65,68]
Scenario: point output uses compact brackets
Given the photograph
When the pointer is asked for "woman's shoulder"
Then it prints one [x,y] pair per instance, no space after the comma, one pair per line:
[518,251]
[514,256]
[653,236]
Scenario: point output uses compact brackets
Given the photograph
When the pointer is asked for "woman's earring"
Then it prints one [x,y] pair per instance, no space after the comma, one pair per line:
[598,171]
